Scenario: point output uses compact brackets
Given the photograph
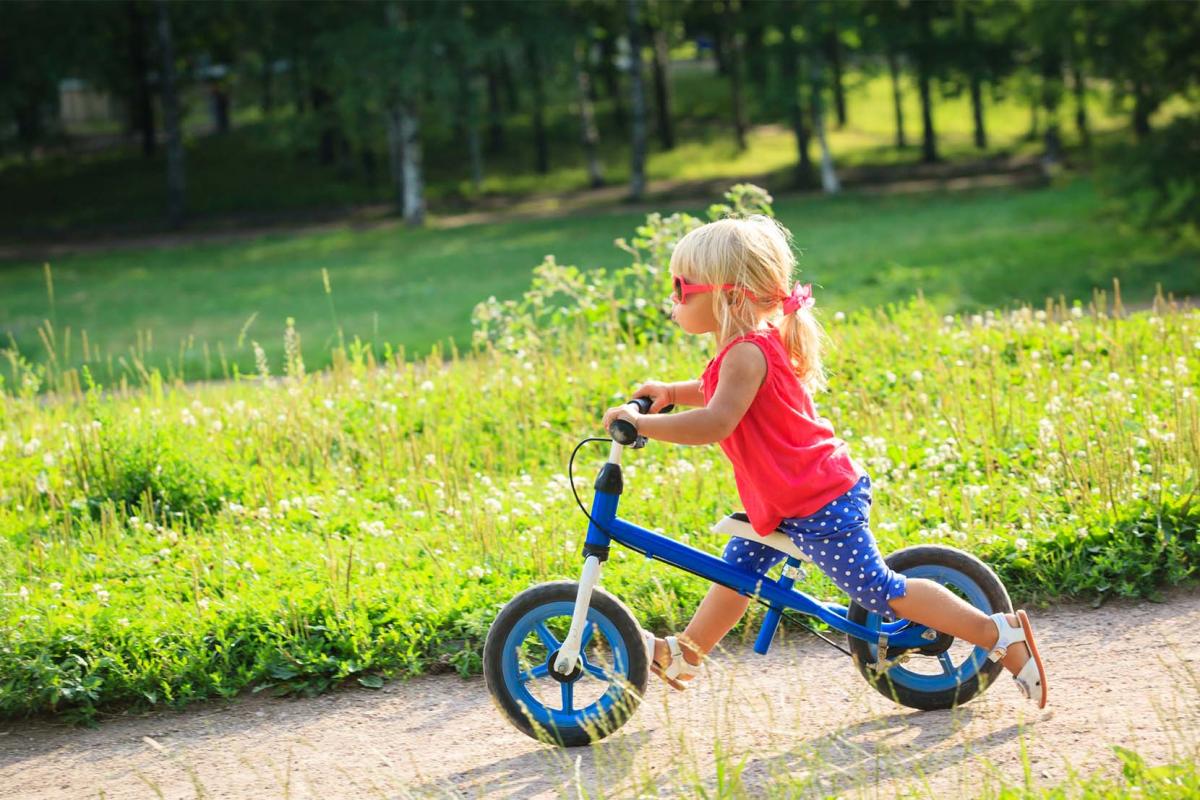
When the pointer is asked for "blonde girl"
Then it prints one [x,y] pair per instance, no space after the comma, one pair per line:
[754,398]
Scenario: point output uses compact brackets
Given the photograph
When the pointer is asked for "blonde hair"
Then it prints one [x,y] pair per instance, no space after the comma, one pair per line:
[753,253]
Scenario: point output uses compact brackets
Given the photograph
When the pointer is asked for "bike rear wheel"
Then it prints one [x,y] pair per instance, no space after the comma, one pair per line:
[602,692]
[947,672]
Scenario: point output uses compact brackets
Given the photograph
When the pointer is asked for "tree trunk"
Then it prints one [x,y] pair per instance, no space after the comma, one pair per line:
[170,102]
[1053,145]
[835,61]
[1081,120]
[495,113]
[897,100]
[637,178]
[720,54]
[753,52]
[929,137]
[662,89]
[474,140]
[1052,84]
[268,85]
[976,82]
[219,97]
[829,179]
[977,112]
[408,125]
[541,145]
[395,156]
[28,116]
[511,99]
[370,166]
[587,117]
[466,120]
[298,93]
[139,63]
[327,142]
[1142,109]
[789,69]
[612,80]
[735,80]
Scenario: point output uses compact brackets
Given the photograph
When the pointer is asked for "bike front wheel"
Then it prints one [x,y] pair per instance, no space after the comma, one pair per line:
[602,692]
[947,672]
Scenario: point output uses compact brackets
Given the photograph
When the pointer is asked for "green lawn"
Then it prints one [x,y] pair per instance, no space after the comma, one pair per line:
[416,288]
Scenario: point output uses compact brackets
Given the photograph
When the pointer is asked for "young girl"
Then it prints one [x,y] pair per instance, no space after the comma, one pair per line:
[792,473]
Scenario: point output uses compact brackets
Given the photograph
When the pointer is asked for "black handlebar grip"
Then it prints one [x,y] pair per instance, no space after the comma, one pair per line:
[624,432]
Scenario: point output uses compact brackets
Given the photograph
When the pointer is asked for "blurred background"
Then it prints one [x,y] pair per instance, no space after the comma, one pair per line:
[179,176]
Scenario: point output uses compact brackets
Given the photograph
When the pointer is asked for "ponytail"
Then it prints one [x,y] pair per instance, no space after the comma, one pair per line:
[804,339]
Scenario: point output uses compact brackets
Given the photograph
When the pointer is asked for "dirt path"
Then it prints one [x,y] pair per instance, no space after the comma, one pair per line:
[1127,674]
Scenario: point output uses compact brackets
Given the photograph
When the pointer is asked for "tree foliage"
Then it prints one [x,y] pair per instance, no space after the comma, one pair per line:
[365,83]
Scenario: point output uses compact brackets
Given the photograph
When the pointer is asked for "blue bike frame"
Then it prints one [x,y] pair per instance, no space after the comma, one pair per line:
[779,593]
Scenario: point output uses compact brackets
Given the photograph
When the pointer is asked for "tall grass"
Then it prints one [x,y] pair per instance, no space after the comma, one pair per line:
[291,530]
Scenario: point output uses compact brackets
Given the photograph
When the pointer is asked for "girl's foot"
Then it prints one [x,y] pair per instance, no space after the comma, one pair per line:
[669,661]
[1016,647]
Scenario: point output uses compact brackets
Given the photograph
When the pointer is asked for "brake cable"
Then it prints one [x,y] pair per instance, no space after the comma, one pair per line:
[803,622]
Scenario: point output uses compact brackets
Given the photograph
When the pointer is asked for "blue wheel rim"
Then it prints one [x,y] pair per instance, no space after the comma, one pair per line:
[517,680]
[953,674]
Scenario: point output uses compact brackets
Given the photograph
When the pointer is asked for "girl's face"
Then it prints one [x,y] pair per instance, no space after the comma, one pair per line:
[695,314]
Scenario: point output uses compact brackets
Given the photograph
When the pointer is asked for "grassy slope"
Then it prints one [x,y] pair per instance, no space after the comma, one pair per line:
[169,545]
[414,288]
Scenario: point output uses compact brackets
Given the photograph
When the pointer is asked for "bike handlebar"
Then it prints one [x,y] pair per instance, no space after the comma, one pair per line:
[625,432]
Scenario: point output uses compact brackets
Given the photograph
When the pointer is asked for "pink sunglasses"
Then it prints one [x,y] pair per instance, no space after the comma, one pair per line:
[683,289]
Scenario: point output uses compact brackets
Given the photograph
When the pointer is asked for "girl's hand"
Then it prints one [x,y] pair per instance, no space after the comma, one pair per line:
[625,412]
[662,394]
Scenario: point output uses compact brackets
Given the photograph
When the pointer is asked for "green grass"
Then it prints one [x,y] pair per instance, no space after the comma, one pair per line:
[265,167]
[163,542]
[168,544]
[167,307]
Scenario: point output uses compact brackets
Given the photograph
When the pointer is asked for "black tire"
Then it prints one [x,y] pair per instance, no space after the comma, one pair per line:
[949,566]
[614,621]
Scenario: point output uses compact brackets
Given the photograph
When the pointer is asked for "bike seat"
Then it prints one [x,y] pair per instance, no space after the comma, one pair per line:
[738,524]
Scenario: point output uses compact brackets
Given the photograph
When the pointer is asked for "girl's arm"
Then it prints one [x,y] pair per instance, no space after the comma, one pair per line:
[742,373]
[687,393]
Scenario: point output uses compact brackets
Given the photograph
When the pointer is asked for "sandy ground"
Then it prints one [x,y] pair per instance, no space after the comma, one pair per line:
[1126,674]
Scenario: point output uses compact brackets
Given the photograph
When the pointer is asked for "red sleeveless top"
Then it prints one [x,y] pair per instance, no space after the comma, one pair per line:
[786,460]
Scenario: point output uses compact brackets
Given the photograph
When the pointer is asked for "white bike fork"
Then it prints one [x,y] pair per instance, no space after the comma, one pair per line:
[568,654]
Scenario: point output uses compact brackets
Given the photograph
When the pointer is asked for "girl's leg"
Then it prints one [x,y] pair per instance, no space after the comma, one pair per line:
[716,615]
[932,604]
[719,611]
[722,607]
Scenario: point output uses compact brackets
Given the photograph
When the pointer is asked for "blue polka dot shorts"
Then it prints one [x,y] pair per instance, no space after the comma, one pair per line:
[839,541]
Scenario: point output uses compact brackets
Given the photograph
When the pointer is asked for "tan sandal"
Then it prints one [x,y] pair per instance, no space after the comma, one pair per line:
[1031,680]
[677,668]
